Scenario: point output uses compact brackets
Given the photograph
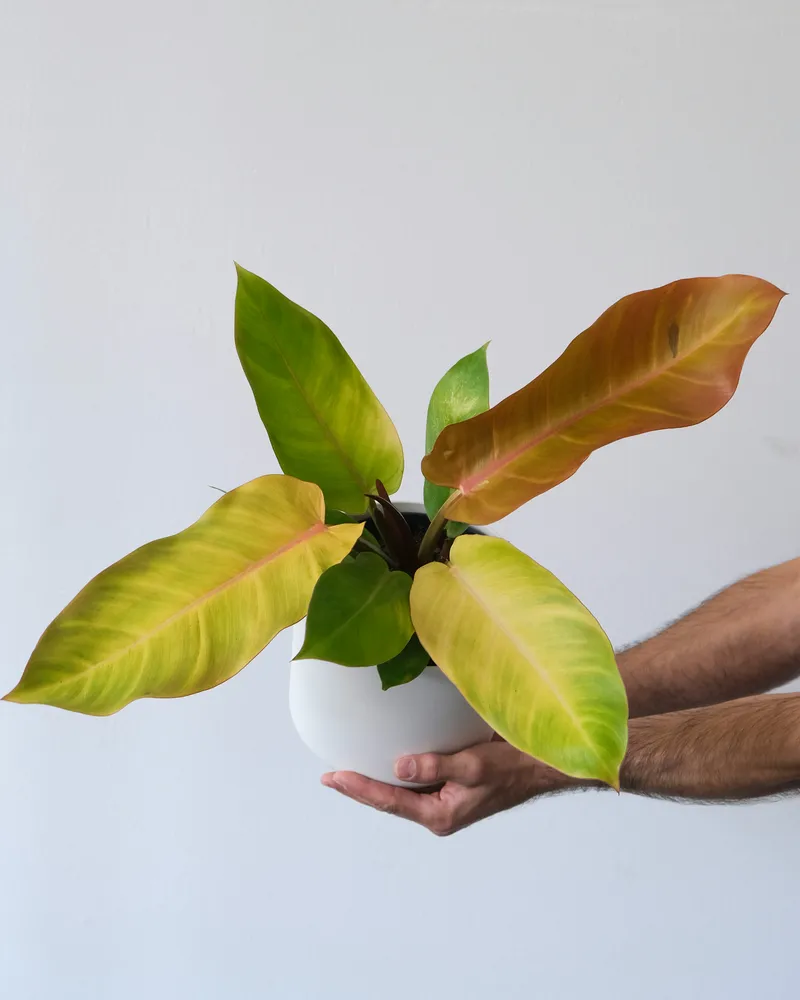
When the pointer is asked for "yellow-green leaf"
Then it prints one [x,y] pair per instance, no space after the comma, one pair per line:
[526,654]
[325,423]
[666,357]
[185,613]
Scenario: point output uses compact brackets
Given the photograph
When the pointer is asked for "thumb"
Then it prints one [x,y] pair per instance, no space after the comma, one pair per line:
[465,768]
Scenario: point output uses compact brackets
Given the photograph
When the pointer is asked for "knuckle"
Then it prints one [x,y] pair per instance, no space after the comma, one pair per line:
[473,767]
[427,767]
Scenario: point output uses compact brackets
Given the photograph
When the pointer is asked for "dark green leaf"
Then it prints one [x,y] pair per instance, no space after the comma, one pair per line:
[359,615]
[408,664]
[333,516]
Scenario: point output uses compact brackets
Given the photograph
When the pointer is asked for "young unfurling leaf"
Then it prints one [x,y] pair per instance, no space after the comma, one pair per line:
[461,393]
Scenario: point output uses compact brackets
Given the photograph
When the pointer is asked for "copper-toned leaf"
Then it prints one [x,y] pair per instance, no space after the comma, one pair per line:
[666,357]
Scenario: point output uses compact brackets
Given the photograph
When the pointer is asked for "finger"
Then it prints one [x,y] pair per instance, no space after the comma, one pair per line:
[465,768]
[387,798]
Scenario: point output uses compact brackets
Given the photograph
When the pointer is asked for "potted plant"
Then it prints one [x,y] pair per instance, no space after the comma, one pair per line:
[390,590]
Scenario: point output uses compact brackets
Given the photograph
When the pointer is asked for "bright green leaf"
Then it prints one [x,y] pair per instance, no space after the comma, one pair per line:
[325,423]
[461,393]
[359,615]
[185,613]
[406,666]
[526,654]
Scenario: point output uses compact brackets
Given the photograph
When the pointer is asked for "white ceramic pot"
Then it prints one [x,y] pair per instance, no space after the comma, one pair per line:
[344,716]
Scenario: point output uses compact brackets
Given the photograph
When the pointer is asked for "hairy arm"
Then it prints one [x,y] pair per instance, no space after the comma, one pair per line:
[738,750]
[743,641]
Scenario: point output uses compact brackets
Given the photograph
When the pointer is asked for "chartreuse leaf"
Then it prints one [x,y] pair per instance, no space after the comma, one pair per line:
[461,393]
[409,663]
[667,357]
[526,654]
[325,423]
[359,614]
[187,612]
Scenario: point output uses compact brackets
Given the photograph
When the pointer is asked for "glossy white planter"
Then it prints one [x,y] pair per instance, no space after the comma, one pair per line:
[346,719]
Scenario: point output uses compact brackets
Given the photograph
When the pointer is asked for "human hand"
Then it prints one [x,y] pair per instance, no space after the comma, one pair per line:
[478,782]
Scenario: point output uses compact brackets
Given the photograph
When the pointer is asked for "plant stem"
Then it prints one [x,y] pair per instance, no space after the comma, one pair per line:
[433,534]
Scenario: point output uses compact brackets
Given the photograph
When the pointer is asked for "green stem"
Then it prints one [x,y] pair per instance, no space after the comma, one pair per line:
[432,535]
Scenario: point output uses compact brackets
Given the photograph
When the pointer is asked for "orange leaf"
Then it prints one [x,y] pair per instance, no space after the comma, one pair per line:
[666,357]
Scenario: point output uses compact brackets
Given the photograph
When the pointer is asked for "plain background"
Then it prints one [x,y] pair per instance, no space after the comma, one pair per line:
[426,177]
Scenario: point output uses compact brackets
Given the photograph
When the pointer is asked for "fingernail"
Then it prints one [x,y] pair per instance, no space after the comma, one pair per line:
[405,768]
[330,782]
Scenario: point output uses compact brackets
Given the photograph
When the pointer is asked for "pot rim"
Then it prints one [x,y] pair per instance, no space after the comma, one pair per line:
[410,507]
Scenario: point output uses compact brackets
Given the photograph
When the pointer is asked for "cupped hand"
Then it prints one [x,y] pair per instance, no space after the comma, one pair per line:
[475,783]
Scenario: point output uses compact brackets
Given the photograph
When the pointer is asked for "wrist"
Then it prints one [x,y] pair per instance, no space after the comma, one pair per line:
[547,780]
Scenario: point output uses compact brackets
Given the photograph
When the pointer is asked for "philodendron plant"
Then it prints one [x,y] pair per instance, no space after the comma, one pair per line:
[185,613]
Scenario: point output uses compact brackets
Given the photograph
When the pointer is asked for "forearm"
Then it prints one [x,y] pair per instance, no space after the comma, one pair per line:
[739,750]
[743,641]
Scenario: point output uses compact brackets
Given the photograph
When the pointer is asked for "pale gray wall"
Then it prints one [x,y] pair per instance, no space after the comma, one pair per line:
[426,176]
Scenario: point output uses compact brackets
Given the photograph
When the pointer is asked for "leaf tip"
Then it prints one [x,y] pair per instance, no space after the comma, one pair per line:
[772,289]
[609,776]
[13,696]
[242,273]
